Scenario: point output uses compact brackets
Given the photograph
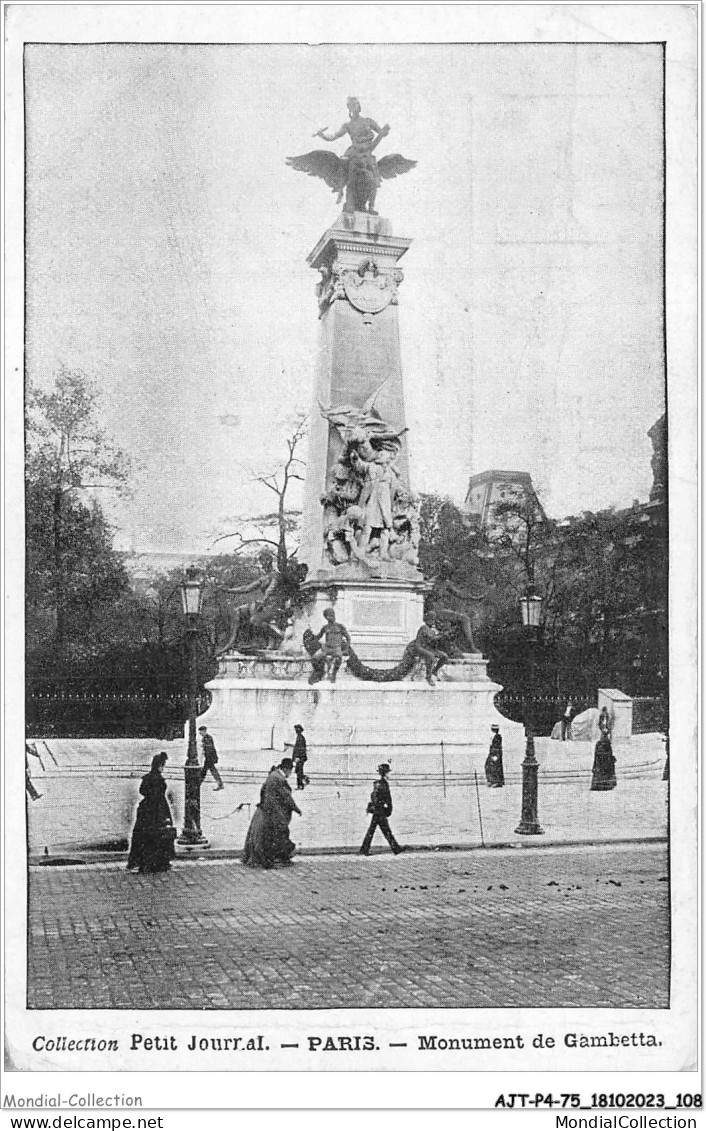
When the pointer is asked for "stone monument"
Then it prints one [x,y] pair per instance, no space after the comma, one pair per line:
[399,686]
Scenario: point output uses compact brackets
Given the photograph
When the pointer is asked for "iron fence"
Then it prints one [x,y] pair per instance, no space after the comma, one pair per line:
[124,708]
[649,714]
[546,709]
[115,708]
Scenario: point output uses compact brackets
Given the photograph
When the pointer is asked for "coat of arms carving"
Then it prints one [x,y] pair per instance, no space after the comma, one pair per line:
[368,289]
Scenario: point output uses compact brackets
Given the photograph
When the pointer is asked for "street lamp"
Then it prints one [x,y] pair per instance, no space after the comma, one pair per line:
[191,599]
[531,607]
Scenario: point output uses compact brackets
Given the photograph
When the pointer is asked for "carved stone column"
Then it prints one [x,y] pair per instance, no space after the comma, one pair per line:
[358,368]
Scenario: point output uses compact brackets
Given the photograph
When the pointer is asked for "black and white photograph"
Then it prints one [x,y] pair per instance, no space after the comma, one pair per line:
[351,541]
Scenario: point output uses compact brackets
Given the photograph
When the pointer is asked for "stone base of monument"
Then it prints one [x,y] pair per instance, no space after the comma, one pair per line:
[353,724]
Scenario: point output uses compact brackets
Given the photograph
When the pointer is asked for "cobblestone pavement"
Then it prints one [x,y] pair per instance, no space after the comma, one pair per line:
[515,928]
[90,793]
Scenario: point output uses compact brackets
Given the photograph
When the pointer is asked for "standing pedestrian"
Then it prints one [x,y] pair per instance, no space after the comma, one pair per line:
[566,721]
[494,774]
[605,723]
[299,756]
[210,757]
[152,846]
[603,776]
[380,808]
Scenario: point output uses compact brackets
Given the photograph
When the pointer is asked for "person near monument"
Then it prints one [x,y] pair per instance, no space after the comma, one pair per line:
[566,721]
[494,774]
[336,636]
[210,757]
[152,845]
[380,809]
[605,723]
[603,776]
[299,756]
[428,648]
[267,841]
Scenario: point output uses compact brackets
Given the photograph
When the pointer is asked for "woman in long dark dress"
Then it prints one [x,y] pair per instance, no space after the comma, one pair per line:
[152,846]
[494,773]
[603,765]
[267,842]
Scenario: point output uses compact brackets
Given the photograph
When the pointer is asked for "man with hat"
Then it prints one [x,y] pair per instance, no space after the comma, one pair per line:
[494,762]
[299,756]
[380,808]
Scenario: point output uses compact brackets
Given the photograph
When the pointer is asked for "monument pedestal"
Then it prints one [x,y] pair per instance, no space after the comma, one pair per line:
[352,725]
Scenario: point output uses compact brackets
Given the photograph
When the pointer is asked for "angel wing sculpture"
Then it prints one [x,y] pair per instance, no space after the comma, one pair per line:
[357,173]
[322,163]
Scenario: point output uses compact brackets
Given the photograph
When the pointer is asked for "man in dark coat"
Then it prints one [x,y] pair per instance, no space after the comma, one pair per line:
[278,805]
[299,756]
[380,808]
[210,757]
[267,842]
[494,774]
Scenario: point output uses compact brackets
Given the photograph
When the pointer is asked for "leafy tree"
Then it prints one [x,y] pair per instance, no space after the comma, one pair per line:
[72,570]
[609,615]
[602,578]
[453,559]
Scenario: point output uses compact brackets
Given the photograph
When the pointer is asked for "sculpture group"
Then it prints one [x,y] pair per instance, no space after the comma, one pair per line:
[431,649]
[368,514]
[260,622]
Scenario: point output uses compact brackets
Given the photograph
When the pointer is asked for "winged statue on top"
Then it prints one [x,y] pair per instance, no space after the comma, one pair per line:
[358,173]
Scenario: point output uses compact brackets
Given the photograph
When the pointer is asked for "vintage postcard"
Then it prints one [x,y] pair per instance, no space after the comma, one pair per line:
[350,557]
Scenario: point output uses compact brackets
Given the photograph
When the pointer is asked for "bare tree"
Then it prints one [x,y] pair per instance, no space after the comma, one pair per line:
[278,525]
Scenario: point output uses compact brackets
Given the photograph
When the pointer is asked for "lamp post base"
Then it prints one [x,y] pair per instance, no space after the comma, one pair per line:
[529,825]
[192,840]
[191,835]
[529,829]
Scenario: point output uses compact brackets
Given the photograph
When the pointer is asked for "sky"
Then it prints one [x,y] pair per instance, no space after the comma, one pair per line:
[167,243]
